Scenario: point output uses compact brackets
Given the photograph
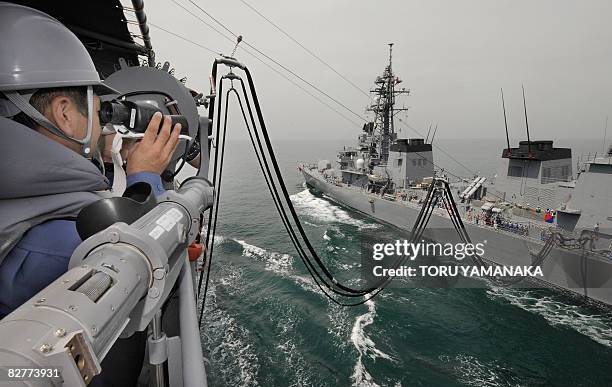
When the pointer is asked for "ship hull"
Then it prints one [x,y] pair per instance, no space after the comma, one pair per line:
[563,269]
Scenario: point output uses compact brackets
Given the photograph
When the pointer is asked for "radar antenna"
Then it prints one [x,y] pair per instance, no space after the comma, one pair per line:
[383,107]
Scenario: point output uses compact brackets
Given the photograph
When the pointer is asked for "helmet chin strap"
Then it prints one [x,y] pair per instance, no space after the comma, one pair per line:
[24,106]
[86,150]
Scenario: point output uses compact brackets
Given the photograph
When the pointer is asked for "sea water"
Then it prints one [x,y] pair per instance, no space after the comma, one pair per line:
[266,322]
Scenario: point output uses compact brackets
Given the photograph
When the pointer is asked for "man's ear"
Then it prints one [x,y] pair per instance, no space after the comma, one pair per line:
[62,113]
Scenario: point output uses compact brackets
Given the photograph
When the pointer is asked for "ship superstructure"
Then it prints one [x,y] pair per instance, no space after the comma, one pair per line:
[381,161]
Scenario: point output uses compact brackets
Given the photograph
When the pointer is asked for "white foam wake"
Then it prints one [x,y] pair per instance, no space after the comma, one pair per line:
[308,284]
[365,347]
[276,262]
[335,233]
[595,326]
[231,348]
[324,211]
[473,372]
[219,240]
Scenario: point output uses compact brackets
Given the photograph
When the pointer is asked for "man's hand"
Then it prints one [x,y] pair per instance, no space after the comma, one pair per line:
[154,151]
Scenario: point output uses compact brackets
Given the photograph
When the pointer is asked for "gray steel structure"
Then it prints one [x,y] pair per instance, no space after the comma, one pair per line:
[118,281]
[119,278]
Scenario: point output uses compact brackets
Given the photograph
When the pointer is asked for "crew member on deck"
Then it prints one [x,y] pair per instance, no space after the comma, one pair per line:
[50,127]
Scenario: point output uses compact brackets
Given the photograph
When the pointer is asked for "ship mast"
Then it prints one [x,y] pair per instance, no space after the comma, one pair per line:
[384,107]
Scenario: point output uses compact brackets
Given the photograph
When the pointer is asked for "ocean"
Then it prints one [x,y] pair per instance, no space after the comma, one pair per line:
[267,324]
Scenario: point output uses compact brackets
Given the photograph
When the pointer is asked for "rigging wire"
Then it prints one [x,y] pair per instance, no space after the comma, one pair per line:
[280,64]
[305,48]
[184,38]
[436,146]
[260,60]
[307,82]
[439,167]
[294,74]
[213,18]
[204,21]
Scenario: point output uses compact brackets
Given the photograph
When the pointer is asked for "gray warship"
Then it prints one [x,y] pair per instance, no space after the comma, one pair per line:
[534,211]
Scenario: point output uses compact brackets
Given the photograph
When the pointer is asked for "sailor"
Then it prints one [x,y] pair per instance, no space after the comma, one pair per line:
[46,167]
[49,122]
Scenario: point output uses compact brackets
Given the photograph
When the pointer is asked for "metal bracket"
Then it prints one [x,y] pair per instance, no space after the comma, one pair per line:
[158,349]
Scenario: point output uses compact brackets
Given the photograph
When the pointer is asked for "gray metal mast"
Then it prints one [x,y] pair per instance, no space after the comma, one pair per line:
[383,107]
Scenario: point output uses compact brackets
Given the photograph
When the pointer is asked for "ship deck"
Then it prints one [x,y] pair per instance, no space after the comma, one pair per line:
[528,229]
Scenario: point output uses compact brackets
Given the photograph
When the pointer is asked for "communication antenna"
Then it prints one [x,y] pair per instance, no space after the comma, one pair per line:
[605,133]
[429,130]
[526,122]
[505,122]
[434,134]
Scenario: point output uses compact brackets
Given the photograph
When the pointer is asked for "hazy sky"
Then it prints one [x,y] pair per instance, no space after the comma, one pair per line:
[454,55]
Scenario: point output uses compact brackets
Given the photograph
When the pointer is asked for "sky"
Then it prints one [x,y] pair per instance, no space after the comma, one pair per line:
[454,56]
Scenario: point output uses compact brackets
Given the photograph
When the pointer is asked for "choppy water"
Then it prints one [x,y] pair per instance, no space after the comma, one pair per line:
[267,324]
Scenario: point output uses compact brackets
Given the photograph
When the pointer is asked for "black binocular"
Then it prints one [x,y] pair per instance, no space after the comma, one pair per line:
[135,116]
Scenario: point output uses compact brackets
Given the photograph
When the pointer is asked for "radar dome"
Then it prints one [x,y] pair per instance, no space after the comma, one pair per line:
[359,163]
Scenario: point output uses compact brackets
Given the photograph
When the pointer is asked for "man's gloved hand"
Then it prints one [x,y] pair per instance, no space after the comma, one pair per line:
[154,151]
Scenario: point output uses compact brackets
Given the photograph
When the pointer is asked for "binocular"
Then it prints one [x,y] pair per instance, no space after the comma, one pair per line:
[135,116]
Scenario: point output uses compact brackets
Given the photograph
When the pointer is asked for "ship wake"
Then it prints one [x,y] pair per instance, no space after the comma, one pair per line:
[598,327]
[324,211]
[231,347]
[365,346]
[474,372]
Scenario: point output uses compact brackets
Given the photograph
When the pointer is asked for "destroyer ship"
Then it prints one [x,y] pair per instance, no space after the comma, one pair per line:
[535,211]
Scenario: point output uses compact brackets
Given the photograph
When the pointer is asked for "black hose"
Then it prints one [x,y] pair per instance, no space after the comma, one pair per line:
[263,163]
[309,266]
[217,182]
